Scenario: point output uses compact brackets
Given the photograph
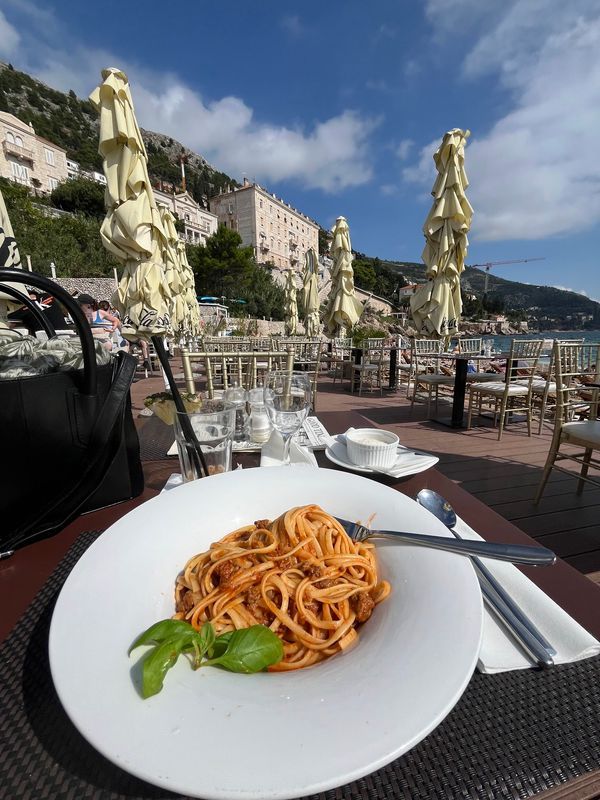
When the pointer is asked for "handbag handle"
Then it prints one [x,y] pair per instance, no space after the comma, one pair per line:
[47,326]
[84,331]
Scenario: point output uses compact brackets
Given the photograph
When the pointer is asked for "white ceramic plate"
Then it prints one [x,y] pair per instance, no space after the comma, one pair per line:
[408,462]
[214,734]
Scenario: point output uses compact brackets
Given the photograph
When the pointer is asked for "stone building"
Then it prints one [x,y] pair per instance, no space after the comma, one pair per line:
[278,233]
[199,223]
[29,159]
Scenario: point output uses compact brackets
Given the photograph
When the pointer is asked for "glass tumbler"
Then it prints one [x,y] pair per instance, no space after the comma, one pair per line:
[214,426]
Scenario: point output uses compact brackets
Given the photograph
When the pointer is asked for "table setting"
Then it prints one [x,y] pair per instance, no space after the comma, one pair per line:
[470,714]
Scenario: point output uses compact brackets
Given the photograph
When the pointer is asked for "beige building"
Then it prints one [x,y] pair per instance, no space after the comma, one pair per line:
[199,223]
[29,159]
[278,233]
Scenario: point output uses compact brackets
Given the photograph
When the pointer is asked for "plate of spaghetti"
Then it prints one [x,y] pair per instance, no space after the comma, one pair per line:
[361,627]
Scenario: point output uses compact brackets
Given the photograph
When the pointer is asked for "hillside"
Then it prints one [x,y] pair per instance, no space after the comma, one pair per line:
[545,306]
[72,123]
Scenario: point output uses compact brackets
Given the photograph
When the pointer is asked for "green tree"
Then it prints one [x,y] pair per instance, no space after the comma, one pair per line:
[72,242]
[324,240]
[224,268]
[80,195]
[364,274]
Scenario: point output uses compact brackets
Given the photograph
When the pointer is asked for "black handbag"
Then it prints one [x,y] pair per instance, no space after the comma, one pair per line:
[68,440]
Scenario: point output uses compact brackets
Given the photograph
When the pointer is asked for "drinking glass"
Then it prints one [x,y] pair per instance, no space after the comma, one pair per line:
[239,397]
[214,426]
[287,401]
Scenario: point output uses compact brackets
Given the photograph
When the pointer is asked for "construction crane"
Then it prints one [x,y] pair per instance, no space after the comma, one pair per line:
[489,264]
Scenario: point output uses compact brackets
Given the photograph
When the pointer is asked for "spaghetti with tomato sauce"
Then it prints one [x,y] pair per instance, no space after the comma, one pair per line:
[301,575]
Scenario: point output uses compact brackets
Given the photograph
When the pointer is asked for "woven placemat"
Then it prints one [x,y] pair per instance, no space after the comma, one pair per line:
[155,439]
[512,735]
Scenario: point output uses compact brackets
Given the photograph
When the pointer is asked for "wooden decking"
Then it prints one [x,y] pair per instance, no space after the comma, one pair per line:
[504,474]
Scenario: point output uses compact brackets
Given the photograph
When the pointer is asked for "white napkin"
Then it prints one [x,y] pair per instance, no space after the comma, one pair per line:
[272,453]
[499,651]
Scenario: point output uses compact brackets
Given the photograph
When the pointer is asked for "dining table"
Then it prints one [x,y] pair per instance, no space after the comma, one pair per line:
[516,734]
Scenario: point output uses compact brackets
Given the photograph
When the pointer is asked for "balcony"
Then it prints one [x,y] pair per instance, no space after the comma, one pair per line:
[293,258]
[22,153]
[264,245]
[293,244]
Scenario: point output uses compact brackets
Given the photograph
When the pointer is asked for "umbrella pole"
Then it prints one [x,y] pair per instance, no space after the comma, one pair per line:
[188,431]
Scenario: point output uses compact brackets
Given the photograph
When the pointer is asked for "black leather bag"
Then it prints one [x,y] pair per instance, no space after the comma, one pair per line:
[68,443]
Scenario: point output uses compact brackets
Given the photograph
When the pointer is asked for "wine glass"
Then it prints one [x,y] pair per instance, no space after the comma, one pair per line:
[287,402]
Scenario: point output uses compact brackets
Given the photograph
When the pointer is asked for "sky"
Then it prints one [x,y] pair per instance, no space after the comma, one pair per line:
[339,106]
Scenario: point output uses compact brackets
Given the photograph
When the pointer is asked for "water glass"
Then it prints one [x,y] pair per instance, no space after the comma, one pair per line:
[287,398]
[214,427]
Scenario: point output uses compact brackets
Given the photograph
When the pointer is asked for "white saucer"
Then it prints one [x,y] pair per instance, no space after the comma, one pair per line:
[407,463]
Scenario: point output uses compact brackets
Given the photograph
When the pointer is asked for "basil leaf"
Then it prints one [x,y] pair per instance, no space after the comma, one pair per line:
[207,639]
[220,644]
[159,661]
[248,650]
[161,631]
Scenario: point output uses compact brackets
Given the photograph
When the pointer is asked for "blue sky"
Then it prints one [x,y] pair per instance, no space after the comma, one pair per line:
[338,107]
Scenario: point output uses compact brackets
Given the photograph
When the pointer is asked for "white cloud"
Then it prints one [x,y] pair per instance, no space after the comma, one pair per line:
[536,172]
[293,25]
[331,155]
[403,149]
[388,189]
[9,38]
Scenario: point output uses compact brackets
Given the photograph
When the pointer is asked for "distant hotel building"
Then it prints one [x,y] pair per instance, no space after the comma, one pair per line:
[199,223]
[278,233]
[29,159]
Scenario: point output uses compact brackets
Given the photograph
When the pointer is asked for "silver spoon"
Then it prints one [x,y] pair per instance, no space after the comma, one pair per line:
[495,596]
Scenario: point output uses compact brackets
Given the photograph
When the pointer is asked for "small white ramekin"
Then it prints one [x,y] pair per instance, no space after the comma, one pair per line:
[372,447]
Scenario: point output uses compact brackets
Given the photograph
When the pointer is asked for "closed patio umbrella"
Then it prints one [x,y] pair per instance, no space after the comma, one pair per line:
[310,294]
[192,309]
[343,308]
[437,305]
[173,270]
[9,257]
[291,306]
[133,230]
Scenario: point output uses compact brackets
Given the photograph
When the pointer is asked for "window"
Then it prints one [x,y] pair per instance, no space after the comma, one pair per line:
[20,172]
[53,184]
[260,203]
[49,156]
[187,217]
[19,141]
[10,137]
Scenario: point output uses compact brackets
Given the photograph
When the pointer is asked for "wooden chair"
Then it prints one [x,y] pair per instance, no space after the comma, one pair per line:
[543,385]
[370,371]
[576,420]
[341,358]
[426,369]
[514,393]
[404,365]
[307,358]
[246,369]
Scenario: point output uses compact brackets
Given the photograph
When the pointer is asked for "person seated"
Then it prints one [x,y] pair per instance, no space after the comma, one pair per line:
[102,323]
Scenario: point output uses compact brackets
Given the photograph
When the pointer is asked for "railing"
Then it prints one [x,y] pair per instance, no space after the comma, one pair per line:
[17,150]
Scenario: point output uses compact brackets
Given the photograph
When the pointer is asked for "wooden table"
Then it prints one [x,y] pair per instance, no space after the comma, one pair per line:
[27,570]
[22,575]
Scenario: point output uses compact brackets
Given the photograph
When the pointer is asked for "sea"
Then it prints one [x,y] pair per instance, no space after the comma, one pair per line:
[502,343]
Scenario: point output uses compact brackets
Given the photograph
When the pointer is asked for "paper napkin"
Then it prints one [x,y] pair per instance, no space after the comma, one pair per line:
[499,651]
[272,453]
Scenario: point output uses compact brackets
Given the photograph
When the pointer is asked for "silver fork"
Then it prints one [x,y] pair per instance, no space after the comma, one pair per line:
[516,553]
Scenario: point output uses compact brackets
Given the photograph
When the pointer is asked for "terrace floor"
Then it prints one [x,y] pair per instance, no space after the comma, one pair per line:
[504,474]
